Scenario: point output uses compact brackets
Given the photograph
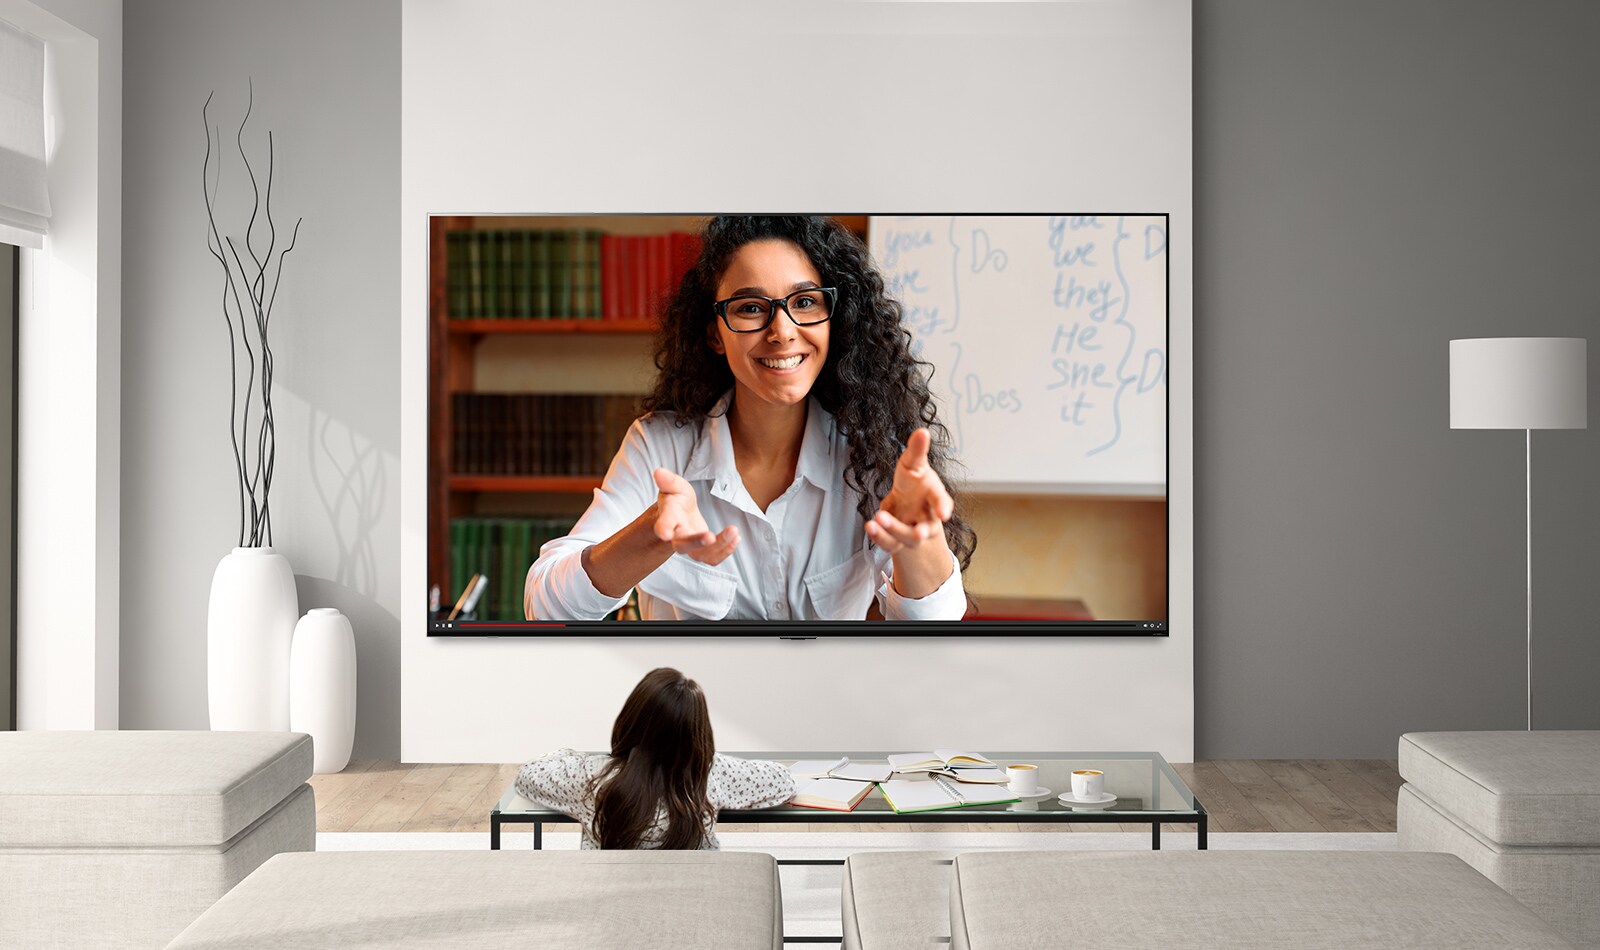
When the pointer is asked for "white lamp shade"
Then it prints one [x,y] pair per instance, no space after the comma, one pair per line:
[1519,383]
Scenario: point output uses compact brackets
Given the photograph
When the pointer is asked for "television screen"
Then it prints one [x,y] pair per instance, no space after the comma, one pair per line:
[825,425]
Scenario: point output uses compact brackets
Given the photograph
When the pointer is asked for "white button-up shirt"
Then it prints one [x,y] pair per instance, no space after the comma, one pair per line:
[807,557]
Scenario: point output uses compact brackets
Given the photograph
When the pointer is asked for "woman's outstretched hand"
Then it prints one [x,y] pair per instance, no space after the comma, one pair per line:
[678,520]
[918,505]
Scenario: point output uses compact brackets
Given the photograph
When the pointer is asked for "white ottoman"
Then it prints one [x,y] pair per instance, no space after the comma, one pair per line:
[1523,808]
[499,900]
[122,839]
[895,900]
[1234,900]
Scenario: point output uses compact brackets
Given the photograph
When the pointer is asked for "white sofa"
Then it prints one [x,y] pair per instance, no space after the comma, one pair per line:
[122,839]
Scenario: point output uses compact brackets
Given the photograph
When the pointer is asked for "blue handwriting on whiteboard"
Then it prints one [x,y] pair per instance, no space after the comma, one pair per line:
[897,241]
[989,256]
[1070,294]
[1006,400]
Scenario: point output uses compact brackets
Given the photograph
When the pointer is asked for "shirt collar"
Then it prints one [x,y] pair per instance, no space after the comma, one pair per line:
[712,456]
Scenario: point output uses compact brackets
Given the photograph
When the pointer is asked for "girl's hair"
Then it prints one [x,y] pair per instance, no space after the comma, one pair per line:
[871,384]
[661,752]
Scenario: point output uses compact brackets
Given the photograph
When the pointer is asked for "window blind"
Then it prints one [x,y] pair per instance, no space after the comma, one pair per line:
[24,199]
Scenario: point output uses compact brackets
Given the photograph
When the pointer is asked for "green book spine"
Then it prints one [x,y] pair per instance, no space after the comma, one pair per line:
[574,259]
[458,560]
[525,275]
[471,563]
[491,275]
[456,274]
[580,268]
[596,310]
[508,273]
[541,274]
[473,243]
[560,276]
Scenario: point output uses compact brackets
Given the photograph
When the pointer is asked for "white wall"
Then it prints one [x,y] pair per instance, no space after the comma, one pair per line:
[612,107]
[327,85]
[69,380]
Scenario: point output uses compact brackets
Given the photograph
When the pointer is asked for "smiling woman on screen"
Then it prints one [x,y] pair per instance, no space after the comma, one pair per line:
[791,465]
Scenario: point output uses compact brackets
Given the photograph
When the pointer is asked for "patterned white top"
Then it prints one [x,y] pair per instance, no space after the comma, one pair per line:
[806,557]
[564,780]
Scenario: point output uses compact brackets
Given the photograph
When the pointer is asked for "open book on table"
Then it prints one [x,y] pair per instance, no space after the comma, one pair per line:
[833,794]
[907,795]
[841,767]
[961,766]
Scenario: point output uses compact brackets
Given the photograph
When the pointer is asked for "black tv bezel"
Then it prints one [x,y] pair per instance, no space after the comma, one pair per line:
[815,629]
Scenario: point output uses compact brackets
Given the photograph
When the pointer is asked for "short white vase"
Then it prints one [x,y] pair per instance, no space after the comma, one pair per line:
[322,687]
[249,627]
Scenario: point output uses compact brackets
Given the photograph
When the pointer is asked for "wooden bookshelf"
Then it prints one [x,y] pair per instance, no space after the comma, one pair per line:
[524,483]
[526,325]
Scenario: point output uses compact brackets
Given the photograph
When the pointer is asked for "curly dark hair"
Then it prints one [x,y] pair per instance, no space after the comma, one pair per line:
[875,389]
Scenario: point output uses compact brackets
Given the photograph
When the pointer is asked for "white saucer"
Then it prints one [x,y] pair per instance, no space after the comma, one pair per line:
[1067,798]
[1042,793]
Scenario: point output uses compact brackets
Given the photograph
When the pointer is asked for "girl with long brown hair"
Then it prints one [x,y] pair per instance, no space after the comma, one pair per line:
[663,783]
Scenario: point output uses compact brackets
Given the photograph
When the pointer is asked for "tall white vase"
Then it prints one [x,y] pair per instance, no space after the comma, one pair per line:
[322,687]
[249,628]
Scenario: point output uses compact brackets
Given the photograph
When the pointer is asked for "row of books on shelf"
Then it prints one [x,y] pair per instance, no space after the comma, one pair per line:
[533,274]
[950,779]
[538,433]
[498,550]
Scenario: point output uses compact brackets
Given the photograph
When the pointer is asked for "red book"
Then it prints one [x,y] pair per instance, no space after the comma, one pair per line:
[638,293]
[831,794]
[662,275]
[610,279]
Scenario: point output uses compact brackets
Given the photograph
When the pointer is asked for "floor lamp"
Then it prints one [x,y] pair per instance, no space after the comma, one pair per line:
[1520,383]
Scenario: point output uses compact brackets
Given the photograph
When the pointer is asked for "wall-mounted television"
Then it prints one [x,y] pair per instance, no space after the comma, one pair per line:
[798,425]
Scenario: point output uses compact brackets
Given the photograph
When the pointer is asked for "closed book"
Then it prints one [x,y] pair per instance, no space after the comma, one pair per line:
[639,276]
[610,278]
[458,556]
[472,241]
[560,275]
[458,296]
[510,272]
[934,793]
[539,272]
[832,794]
[491,273]
[591,274]
[524,279]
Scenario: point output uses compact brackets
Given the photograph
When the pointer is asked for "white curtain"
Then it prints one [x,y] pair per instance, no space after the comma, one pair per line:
[24,201]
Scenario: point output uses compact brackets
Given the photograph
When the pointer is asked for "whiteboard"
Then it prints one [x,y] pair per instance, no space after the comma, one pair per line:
[1047,337]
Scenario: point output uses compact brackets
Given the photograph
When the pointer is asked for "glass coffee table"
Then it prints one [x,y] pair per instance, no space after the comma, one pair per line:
[1148,792]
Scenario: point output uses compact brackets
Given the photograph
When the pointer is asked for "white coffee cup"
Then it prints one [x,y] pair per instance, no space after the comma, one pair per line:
[1088,784]
[1023,779]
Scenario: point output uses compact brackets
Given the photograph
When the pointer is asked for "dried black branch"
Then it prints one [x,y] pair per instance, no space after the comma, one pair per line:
[254,470]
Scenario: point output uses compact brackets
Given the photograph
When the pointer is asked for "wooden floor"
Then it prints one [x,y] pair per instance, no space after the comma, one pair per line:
[1299,795]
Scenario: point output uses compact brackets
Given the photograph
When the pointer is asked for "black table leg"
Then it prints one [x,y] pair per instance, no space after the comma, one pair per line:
[1155,836]
[1202,831]
[538,835]
[494,832]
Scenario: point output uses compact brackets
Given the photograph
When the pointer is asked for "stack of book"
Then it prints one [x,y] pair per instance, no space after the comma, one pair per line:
[502,550]
[537,434]
[580,274]
[951,779]
[837,785]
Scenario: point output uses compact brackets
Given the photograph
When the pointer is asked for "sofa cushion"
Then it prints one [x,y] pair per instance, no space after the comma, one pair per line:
[1240,900]
[895,900]
[143,789]
[1515,788]
[1558,884]
[705,900]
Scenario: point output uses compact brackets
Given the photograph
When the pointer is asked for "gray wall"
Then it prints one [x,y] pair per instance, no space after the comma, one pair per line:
[1373,179]
[327,84]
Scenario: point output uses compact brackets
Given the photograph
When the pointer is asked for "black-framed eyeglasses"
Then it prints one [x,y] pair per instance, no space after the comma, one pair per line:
[751,313]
